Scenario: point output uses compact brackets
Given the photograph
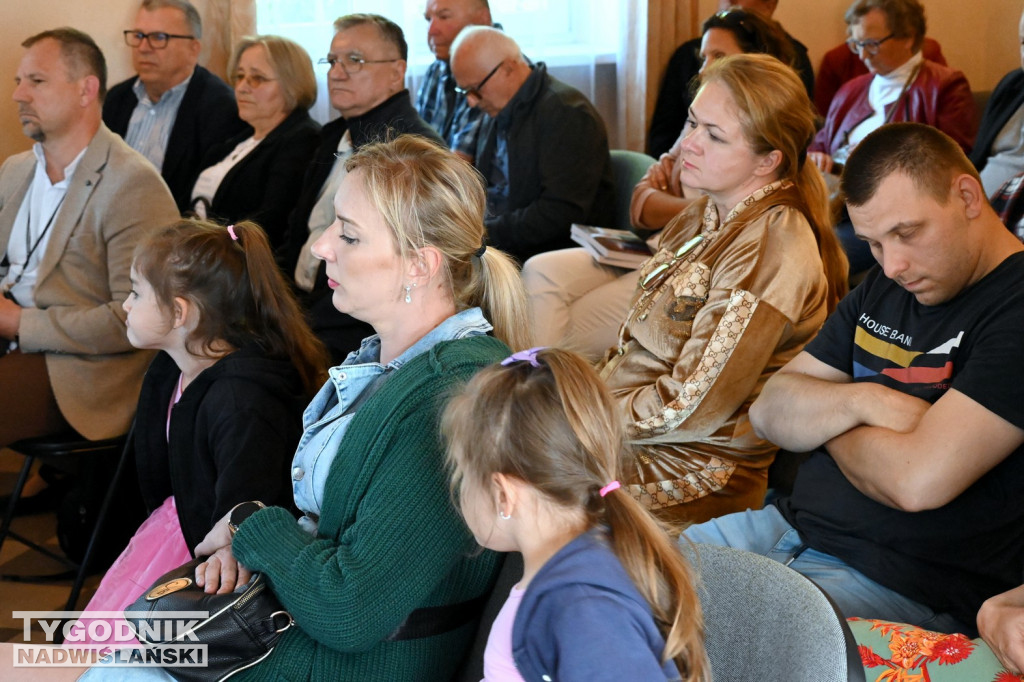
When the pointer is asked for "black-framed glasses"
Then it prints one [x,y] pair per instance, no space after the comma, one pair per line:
[157,39]
[870,47]
[475,91]
[351,63]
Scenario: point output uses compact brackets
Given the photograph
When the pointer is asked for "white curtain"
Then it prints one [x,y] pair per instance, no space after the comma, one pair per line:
[579,40]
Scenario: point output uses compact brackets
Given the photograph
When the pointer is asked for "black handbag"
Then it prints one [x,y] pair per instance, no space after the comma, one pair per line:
[239,630]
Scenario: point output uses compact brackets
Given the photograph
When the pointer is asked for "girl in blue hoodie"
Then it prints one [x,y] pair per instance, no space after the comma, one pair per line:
[537,451]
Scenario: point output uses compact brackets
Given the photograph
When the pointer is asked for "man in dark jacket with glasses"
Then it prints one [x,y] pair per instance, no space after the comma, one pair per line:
[173,110]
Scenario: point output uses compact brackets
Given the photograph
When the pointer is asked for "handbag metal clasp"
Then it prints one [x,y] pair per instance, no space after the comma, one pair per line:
[291,621]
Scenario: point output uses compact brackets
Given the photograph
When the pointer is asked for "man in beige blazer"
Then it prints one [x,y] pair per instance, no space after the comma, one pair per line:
[71,213]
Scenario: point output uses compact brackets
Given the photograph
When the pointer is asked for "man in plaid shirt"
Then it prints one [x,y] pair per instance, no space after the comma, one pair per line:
[437,102]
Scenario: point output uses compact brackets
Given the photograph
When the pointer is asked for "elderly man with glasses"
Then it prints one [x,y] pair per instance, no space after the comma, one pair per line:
[366,84]
[173,110]
[901,84]
[544,155]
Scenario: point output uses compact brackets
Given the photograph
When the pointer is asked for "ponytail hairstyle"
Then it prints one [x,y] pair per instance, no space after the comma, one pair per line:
[776,114]
[549,421]
[230,277]
[427,196]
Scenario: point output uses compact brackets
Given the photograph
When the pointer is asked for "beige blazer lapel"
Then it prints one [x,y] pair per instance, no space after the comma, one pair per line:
[80,188]
[16,182]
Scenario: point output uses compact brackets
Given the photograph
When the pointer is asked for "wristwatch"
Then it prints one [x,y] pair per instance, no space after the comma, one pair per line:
[240,512]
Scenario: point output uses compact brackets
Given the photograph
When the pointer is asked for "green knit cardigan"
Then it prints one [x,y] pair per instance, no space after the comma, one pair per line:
[389,540]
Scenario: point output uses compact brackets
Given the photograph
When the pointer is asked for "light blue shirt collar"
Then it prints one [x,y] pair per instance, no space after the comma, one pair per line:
[171,96]
[458,326]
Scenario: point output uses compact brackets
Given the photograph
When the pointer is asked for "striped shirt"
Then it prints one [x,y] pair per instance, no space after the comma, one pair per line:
[149,128]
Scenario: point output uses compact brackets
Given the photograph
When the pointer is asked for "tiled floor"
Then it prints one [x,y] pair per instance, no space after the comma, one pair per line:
[15,558]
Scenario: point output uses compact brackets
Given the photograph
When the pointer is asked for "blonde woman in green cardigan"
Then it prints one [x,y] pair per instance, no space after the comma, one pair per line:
[380,573]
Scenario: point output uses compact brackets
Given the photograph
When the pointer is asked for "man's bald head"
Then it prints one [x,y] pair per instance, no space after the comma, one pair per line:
[488,63]
[484,42]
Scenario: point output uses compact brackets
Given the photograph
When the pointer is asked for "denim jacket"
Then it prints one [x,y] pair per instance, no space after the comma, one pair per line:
[325,420]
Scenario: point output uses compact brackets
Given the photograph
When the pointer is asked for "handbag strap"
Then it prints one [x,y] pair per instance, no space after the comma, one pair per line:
[437,620]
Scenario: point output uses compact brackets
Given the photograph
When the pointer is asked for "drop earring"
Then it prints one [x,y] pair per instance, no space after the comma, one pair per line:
[408,292]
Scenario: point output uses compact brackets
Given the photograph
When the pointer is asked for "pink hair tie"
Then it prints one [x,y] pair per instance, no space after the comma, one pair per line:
[614,485]
[231,231]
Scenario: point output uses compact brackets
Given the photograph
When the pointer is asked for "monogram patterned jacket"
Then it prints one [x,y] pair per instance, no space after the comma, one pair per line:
[720,307]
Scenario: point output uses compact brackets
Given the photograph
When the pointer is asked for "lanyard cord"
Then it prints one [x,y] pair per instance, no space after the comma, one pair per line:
[32,248]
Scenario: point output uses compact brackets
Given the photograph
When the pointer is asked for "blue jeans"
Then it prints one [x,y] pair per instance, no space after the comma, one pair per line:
[766,532]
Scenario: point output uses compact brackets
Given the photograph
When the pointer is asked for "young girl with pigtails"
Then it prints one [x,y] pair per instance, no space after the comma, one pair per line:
[220,410]
[537,452]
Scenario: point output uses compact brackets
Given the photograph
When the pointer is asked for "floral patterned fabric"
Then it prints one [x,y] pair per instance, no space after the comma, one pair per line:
[895,652]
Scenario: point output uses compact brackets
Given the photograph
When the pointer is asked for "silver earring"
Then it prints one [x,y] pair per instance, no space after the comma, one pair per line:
[408,290]
[503,516]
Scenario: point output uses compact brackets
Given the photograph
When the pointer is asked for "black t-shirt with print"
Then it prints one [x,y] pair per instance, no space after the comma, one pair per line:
[954,557]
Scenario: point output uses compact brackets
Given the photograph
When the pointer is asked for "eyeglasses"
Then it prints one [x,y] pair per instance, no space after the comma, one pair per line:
[254,80]
[351,63]
[475,92]
[157,39]
[870,47]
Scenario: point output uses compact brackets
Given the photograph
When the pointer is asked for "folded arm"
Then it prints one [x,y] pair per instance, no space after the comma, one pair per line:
[955,443]
[1001,624]
[807,403]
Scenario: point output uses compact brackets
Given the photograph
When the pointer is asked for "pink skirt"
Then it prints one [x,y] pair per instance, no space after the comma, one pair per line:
[157,547]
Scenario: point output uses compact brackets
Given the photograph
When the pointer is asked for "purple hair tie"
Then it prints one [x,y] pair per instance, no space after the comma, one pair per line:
[614,485]
[524,356]
[231,231]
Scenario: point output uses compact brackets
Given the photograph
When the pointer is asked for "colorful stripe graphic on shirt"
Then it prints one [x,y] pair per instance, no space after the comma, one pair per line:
[912,367]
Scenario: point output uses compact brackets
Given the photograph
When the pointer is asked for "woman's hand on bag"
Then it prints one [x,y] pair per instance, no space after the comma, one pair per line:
[221,572]
[219,536]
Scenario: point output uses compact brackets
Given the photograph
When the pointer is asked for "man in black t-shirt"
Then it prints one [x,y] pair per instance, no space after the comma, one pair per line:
[912,398]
